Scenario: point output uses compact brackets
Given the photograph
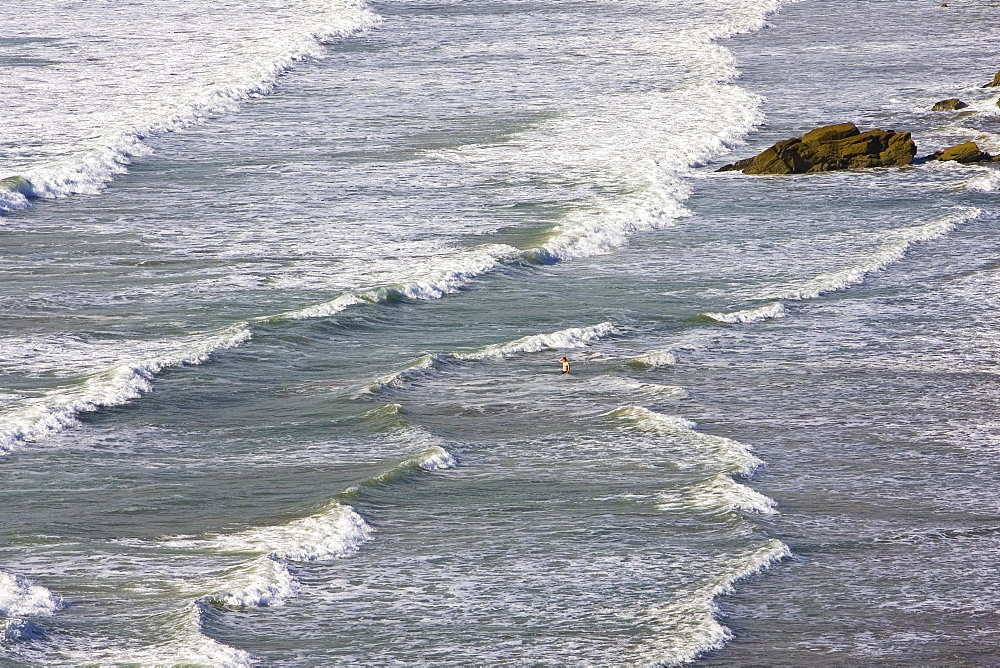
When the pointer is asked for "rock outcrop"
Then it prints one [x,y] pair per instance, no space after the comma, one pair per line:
[831,148]
[964,153]
[951,104]
[995,82]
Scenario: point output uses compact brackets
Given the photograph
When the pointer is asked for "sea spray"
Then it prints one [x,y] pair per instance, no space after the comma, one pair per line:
[20,597]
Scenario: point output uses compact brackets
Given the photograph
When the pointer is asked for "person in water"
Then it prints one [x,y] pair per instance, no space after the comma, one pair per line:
[565,365]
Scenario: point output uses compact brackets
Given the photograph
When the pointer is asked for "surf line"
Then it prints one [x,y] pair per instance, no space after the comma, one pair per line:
[573,337]
[117,385]
[692,625]
[900,242]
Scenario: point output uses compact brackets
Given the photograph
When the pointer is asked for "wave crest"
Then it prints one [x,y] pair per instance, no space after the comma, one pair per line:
[57,411]
[19,597]
[574,337]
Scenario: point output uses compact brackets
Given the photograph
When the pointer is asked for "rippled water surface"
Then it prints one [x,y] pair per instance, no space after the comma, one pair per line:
[286,287]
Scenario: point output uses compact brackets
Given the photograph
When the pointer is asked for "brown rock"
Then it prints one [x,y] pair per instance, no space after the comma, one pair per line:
[951,104]
[995,82]
[831,148]
[964,153]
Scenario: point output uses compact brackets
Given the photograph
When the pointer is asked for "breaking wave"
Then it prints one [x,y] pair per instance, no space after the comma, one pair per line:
[97,147]
[414,369]
[574,337]
[766,312]
[900,242]
[58,410]
[19,597]
[653,360]
[690,626]
[439,277]
[334,532]
[719,493]
[717,452]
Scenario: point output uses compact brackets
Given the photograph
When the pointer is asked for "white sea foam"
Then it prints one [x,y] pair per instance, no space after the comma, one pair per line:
[766,312]
[33,419]
[987,180]
[264,582]
[138,86]
[19,597]
[605,383]
[437,459]
[654,359]
[181,642]
[335,532]
[433,279]
[690,626]
[574,337]
[899,242]
[718,493]
[719,452]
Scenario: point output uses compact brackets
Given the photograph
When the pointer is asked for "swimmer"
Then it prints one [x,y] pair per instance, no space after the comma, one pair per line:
[565,365]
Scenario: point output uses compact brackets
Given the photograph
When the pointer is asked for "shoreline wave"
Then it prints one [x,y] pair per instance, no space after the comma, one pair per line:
[88,169]
[691,625]
[902,240]
[59,409]
[721,453]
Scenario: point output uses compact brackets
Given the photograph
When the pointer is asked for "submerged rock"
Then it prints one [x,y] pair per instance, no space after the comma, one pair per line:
[831,148]
[964,153]
[951,104]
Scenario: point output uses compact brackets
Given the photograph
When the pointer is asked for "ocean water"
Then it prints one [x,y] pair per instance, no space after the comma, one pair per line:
[286,285]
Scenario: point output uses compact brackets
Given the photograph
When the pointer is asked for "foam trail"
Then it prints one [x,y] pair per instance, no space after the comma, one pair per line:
[879,260]
[99,146]
[719,452]
[690,626]
[766,312]
[574,337]
[58,410]
[437,278]
[605,383]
